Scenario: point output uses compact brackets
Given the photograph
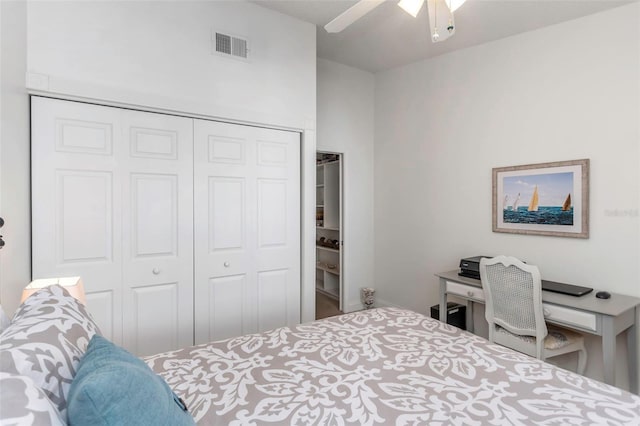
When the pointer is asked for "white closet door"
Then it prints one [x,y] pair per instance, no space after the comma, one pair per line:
[157,223]
[112,198]
[247,229]
[76,200]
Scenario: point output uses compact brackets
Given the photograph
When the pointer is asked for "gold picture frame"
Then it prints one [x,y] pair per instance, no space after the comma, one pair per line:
[542,199]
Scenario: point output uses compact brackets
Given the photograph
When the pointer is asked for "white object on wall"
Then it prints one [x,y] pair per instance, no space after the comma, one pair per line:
[229,45]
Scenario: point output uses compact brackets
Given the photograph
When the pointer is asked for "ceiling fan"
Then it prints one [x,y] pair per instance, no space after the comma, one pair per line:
[440,15]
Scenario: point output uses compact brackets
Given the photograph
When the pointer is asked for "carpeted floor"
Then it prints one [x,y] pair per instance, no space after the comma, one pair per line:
[326,306]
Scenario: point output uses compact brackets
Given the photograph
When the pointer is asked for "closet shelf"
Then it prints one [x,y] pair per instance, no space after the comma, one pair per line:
[324,267]
[327,163]
[333,293]
[327,249]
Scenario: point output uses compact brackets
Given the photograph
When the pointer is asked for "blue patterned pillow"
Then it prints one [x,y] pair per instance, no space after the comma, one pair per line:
[113,387]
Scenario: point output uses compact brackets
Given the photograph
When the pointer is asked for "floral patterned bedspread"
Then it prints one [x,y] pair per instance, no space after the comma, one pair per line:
[382,366]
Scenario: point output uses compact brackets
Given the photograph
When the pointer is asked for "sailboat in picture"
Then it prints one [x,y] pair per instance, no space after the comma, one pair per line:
[533,204]
[515,203]
[566,206]
[504,204]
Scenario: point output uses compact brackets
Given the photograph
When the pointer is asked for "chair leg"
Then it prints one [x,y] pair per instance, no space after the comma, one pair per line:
[582,361]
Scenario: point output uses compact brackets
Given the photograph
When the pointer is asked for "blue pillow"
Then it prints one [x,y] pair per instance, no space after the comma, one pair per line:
[113,387]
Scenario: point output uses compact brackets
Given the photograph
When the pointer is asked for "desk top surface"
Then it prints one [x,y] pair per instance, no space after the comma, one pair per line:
[614,306]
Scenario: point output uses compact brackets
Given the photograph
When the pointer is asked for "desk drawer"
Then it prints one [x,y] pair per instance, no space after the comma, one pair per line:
[570,317]
[466,291]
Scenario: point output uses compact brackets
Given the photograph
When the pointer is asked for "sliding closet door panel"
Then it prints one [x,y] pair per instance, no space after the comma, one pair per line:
[76,200]
[158,231]
[112,194]
[278,228]
[121,198]
[247,206]
[223,226]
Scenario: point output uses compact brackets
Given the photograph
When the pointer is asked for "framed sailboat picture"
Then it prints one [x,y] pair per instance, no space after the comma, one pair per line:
[542,199]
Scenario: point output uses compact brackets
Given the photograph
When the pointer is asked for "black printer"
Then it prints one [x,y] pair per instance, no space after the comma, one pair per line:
[470,267]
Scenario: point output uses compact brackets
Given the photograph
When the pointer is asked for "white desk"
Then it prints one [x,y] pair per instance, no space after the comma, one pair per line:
[603,317]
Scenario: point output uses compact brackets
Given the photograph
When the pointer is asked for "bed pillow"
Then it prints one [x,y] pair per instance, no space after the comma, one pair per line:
[4,320]
[24,403]
[46,340]
[113,387]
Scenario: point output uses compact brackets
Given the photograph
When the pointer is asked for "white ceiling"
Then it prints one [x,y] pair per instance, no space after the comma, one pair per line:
[388,37]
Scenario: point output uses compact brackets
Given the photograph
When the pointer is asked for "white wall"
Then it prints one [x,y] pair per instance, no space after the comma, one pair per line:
[157,55]
[345,125]
[565,92]
[15,272]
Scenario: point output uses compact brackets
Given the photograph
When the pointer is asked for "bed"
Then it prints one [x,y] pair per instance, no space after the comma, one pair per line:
[380,366]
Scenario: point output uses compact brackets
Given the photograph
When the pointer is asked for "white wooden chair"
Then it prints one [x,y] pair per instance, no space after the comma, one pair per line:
[514,311]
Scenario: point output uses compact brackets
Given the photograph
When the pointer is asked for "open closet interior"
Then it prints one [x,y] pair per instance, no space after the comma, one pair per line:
[328,234]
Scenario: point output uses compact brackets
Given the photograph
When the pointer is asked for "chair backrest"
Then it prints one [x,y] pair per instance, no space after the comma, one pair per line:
[513,297]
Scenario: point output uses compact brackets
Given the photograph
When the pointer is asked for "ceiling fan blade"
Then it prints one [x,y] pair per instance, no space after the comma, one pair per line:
[351,15]
[412,7]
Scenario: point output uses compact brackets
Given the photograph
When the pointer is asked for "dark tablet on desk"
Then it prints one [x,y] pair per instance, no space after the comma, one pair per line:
[570,289]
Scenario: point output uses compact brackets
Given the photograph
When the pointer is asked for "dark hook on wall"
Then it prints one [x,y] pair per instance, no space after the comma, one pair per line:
[1,240]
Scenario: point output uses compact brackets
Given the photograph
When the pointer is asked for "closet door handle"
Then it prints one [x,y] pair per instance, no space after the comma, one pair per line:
[227,264]
[155,271]
[1,240]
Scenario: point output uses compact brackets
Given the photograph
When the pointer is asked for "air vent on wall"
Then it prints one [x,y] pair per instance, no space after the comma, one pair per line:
[230,45]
